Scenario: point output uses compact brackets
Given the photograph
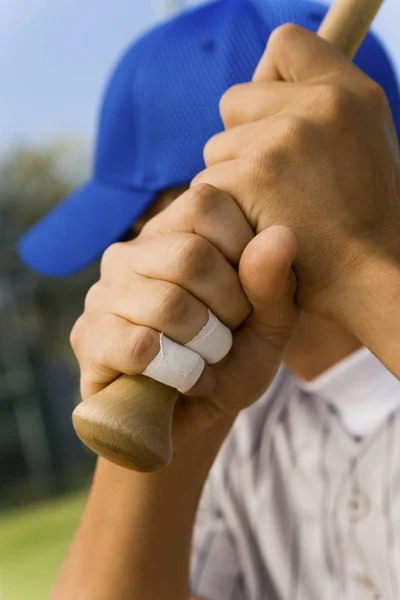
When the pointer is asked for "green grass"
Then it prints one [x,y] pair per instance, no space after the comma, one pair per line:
[33,542]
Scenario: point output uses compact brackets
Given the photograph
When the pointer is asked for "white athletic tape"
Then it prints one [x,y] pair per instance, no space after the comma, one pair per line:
[175,365]
[213,342]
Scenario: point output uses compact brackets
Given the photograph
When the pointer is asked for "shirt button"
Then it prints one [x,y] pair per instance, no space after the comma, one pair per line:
[369,586]
[359,506]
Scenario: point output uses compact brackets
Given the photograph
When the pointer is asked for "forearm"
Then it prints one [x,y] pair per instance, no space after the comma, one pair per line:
[135,535]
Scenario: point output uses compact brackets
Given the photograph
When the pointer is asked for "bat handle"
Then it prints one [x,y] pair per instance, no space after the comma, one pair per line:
[129,422]
[347,22]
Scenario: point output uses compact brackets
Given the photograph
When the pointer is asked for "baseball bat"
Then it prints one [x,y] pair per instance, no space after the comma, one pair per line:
[130,421]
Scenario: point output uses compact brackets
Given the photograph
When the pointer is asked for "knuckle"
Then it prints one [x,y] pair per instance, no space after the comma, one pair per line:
[92,297]
[175,305]
[262,167]
[336,102]
[77,334]
[204,199]
[202,195]
[253,168]
[111,257]
[210,152]
[267,162]
[142,347]
[283,35]
[293,131]
[196,258]
[376,97]
[227,103]
[86,384]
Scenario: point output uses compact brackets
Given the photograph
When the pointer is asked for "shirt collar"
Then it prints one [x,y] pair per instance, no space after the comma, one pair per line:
[361,389]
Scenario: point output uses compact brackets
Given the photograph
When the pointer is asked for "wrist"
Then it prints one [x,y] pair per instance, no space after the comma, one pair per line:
[195,449]
[195,421]
[367,302]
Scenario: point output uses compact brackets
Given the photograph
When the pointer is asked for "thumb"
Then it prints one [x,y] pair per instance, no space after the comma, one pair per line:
[266,275]
[259,344]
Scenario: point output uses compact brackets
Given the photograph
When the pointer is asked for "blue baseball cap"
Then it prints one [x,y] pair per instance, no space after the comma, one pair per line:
[160,108]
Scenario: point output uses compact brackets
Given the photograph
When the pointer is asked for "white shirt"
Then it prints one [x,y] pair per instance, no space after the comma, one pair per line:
[296,507]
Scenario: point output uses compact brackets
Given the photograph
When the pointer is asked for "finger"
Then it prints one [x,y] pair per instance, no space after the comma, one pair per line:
[267,137]
[229,177]
[249,102]
[170,309]
[233,143]
[209,213]
[116,346]
[162,306]
[190,262]
[238,176]
[296,54]
[167,308]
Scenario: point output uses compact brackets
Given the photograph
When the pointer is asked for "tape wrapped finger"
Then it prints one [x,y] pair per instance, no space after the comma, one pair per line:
[213,342]
[175,365]
[179,366]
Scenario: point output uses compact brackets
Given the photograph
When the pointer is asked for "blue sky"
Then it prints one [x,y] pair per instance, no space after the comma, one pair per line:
[56,56]
[54,59]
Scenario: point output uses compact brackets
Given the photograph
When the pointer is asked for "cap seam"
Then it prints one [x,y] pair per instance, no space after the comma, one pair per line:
[120,186]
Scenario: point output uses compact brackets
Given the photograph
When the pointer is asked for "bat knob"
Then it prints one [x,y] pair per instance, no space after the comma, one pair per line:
[129,423]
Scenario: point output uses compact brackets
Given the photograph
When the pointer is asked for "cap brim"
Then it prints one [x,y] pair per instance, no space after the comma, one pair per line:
[78,230]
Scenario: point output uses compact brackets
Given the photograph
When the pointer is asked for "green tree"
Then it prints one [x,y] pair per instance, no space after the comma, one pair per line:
[37,367]
[34,179]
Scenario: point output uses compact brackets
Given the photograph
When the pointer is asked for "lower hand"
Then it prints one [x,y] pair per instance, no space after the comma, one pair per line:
[198,254]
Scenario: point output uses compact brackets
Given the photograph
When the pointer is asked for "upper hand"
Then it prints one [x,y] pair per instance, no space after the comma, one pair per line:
[310,144]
